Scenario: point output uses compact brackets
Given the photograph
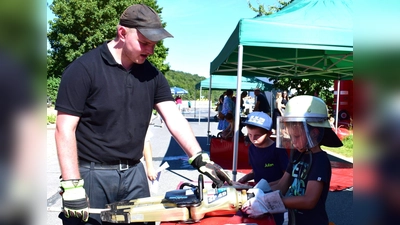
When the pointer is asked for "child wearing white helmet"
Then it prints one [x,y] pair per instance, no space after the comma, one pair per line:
[304,127]
[267,161]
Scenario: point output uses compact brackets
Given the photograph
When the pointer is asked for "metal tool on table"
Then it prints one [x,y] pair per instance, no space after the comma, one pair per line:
[190,203]
[91,210]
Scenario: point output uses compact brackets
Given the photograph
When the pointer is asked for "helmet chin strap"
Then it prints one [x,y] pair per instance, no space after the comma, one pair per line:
[298,158]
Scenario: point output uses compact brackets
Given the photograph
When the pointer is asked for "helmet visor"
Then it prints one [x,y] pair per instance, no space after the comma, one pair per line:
[296,133]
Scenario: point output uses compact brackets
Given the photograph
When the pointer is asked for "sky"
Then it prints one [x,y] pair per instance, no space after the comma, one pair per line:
[200,30]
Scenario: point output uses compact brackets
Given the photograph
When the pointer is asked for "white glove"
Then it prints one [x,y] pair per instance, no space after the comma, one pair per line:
[263,185]
[255,207]
[263,203]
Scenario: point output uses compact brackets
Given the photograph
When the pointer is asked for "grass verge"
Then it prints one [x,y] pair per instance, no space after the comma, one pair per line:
[347,148]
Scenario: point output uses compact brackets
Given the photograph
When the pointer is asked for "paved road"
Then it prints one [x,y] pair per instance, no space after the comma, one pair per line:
[165,149]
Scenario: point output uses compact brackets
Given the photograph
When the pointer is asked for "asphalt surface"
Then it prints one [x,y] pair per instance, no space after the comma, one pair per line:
[165,149]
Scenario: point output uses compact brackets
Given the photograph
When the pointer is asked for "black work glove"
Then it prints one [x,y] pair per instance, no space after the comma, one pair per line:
[204,165]
[74,199]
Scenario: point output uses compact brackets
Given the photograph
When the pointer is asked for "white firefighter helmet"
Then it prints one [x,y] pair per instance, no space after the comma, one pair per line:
[311,108]
[308,112]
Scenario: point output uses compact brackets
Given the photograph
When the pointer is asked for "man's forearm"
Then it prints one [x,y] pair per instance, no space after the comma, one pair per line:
[67,154]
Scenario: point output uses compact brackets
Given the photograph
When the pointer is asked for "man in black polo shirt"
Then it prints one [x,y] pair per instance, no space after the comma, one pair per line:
[104,104]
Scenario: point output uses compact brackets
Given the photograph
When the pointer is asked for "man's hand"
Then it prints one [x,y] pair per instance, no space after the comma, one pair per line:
[75,202]
[203,164]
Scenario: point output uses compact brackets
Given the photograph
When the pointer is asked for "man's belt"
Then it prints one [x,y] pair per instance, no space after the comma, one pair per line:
[116,165]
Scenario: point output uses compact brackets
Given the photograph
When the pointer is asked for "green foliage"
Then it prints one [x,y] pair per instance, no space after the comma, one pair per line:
[271,8]
[51,119]
[52,87]
[307,87]
[348,141]
[347,148]
[81,25]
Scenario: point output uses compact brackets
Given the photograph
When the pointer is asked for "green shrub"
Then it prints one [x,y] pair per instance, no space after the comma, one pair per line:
[348,141]
[52,88]
[51,119]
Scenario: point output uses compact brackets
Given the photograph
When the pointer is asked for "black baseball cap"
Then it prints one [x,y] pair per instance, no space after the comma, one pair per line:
[144,19]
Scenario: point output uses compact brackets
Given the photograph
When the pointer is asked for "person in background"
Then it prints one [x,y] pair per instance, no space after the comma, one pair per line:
[219,112]
[148,156]
[262,103]
[242,96]
[227,133]
[104,103]
[267,161]
[228,106]
[178,102]
[277,110]
[154,116]
[285,99]
[305,184]
[189,105]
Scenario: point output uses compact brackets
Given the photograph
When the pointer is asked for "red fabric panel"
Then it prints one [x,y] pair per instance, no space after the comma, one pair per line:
[342,176]
[236,219]
[221,152]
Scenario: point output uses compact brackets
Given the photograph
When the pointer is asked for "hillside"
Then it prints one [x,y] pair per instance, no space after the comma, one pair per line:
[188,82]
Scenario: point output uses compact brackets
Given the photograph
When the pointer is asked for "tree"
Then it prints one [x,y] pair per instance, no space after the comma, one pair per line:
[271,9]
[320,87]
[303,86]
[81,25]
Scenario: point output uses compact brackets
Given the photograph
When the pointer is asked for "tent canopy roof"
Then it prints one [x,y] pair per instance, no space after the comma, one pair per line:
[230,82]
[307,39]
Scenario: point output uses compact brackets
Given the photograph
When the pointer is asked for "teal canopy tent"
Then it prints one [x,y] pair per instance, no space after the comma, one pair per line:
[307,39]
[216,82]
[230,82]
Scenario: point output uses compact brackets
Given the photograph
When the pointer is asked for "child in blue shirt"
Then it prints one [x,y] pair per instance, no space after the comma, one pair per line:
[267,161]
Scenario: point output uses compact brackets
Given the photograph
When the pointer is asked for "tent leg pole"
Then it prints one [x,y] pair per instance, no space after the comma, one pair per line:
[337,105]
[237,114]
[209,111]
[199,110]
